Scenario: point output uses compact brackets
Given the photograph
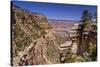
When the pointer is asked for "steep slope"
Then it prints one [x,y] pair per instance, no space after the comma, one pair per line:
[33,39]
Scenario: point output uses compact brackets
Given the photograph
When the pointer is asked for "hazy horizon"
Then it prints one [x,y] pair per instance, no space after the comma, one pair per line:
[56,10]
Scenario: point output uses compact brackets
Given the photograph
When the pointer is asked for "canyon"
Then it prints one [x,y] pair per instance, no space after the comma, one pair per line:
[38,40]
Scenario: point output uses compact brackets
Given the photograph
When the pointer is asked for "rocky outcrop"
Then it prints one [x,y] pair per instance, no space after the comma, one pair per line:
[33,39]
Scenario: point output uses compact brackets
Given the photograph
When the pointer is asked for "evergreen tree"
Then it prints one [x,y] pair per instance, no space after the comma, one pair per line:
[85,16]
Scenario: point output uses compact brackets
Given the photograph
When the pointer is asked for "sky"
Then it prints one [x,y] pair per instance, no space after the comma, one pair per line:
[56,10]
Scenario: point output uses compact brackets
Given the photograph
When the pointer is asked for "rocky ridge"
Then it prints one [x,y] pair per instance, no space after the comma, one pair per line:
[33,39]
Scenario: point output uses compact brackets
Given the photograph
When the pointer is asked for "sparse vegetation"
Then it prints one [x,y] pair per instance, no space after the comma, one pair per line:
[28,39]
[34,41]
[89,53]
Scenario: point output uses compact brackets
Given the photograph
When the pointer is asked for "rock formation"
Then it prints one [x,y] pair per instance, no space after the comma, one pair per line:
[33,39]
